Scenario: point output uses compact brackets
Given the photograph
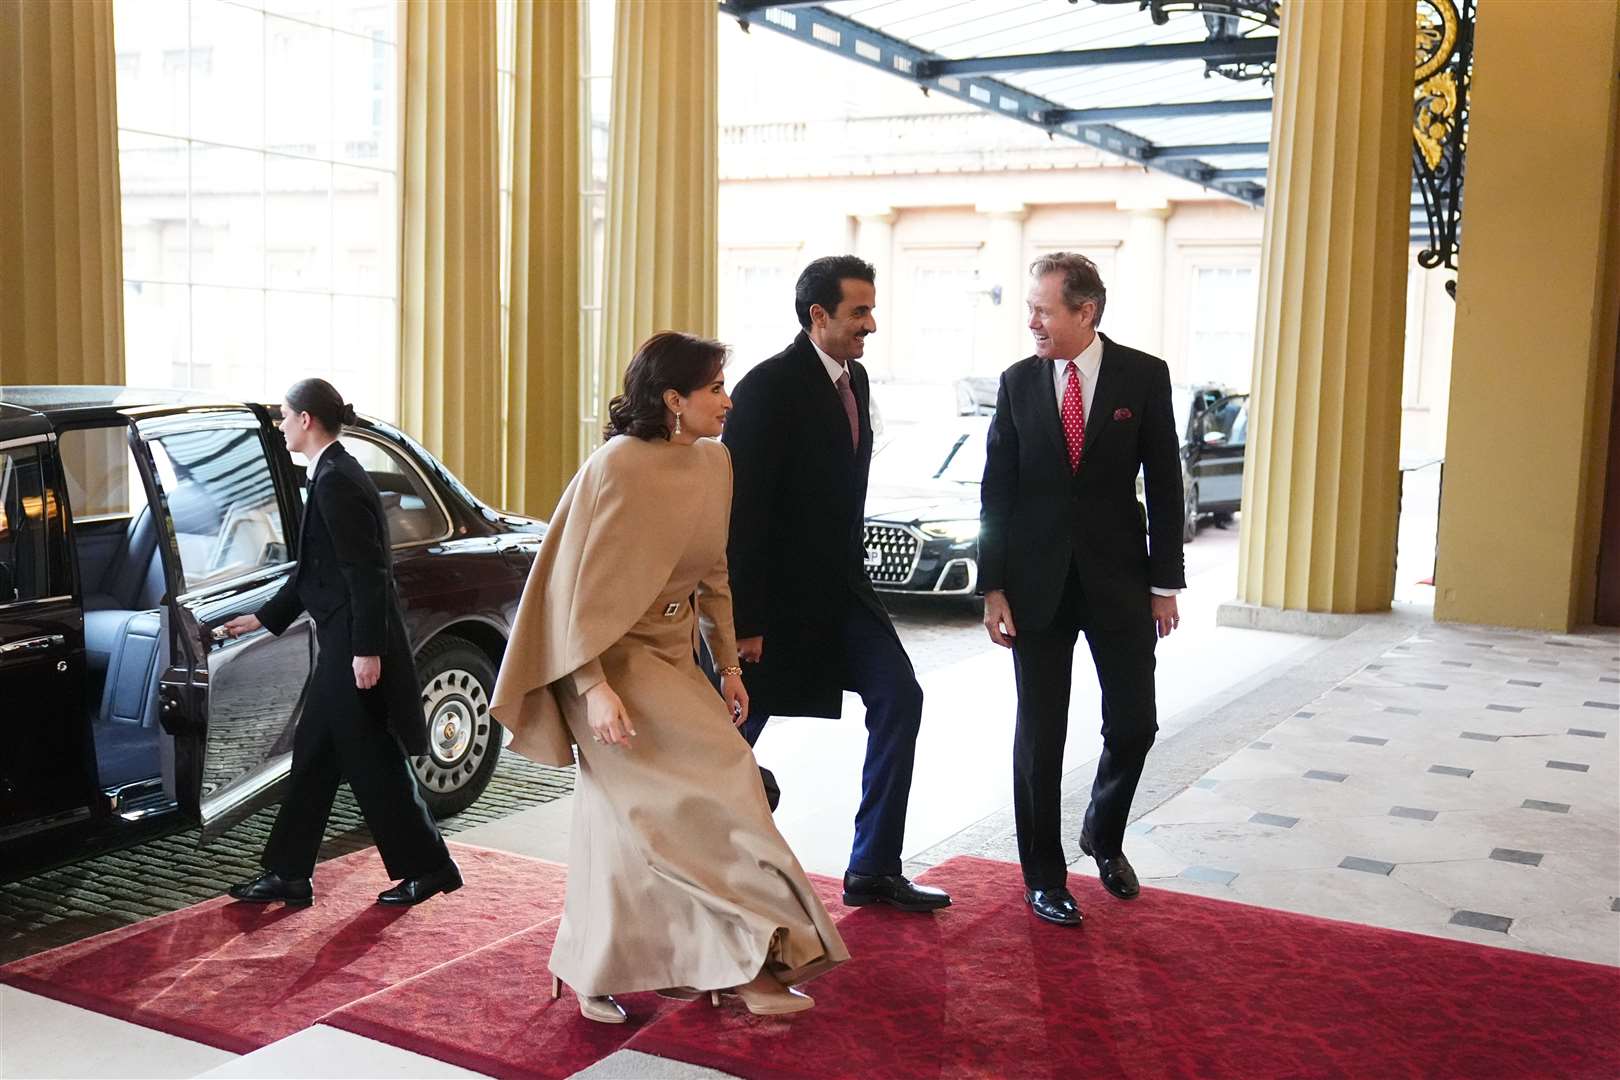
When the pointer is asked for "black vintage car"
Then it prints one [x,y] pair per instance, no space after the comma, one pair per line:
[132,524]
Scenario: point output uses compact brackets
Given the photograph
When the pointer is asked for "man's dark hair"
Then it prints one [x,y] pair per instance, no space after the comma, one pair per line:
[821,283]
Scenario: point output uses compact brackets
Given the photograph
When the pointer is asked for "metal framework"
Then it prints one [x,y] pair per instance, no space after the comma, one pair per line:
[827,30]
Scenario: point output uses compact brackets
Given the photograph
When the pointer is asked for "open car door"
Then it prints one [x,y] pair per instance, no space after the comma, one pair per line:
[228,707]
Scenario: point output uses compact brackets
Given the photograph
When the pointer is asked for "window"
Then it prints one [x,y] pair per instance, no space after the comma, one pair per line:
[944,299]
[222,503]
[758,304]
[1225,423]
[260,192]
[25,510]
[1220,346]
[413,512]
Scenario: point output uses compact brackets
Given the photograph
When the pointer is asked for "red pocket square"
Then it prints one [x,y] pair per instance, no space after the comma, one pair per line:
[1122,414]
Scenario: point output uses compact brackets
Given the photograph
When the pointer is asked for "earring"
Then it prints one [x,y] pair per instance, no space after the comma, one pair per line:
[677,423]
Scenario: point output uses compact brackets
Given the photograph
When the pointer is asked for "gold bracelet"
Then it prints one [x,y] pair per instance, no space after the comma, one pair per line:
[732,670]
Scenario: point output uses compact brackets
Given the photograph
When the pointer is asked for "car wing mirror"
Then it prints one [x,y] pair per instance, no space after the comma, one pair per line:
[1214,438]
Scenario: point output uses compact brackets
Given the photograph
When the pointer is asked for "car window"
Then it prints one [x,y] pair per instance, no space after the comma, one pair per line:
[413,513]
[100,472]
[222,502]
[25,570]
[1229,418]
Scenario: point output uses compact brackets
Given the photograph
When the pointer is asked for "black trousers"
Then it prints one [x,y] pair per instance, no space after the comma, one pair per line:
[874,665]
[338,739]
[1043,663]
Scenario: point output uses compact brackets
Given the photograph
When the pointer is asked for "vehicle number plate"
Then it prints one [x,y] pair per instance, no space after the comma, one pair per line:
[874,558]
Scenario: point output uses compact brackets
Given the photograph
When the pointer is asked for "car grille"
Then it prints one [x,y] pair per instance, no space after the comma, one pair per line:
[898,551]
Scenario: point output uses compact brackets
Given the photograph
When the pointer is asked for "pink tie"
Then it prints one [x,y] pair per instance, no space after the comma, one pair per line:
[1074,417]
[847,396]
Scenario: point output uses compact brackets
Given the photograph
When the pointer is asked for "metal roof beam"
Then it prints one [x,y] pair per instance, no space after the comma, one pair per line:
[1220,52]
[761,5]
[1240,174]
[1168,110]
[863,45]
[1198,150]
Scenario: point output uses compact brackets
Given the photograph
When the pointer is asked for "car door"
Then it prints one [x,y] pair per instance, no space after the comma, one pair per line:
[229,706]
[1223,433]
[46,776]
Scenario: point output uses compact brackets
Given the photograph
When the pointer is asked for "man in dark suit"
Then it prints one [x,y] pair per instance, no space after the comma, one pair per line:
[809,625]
[362,708]
[1063,549]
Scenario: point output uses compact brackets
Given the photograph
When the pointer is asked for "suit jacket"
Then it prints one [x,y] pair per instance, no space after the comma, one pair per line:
[1036,517]
[798,512]
[345,580]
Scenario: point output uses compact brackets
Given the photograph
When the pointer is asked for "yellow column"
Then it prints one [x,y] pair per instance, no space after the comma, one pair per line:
[662,239]
[1319,486]
[546,352]
[61,243]
[1534,352]
[450,314]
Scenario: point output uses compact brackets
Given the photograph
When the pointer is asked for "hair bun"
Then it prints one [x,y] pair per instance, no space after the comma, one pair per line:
[348,414]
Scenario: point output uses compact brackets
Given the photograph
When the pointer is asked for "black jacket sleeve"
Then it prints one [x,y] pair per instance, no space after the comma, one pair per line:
[362,560]
[996,493]
[281,609]
[754,436]
[1161,482]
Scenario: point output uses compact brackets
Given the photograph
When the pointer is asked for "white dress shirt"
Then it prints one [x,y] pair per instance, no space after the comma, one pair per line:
[1089,362]
[835,370]
[309,469]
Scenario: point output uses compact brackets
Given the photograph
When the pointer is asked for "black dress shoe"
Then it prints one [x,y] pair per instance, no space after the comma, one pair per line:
[268,888]
[1055,906]
[1114,871]
[414,890]
[892,889]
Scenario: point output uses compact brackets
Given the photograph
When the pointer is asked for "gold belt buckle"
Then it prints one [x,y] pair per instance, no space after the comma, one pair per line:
[672,610]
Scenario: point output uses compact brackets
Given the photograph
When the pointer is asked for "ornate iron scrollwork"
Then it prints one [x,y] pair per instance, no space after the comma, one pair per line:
[1445,66]
[1223,21]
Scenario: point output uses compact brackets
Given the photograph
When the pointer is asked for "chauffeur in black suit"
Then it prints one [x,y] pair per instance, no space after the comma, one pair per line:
[362,709]
[1063,550]
[809,625]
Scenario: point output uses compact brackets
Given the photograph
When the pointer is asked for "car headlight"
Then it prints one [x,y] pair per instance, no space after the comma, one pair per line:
[959,531]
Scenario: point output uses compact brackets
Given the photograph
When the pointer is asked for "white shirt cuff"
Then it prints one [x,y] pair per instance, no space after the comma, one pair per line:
[1164,592]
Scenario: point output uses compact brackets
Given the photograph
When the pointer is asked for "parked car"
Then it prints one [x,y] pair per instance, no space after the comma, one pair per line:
[1214,423]
[976,395]
[922,509]
[132,524]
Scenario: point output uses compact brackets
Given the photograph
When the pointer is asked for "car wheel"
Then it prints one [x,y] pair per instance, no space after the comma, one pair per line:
[464,741]
[1189,515]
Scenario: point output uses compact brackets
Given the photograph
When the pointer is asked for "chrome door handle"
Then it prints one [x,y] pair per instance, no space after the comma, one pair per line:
[36,644]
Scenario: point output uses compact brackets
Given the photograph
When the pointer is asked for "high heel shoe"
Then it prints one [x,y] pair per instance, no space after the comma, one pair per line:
[777,1002]
[603,1009]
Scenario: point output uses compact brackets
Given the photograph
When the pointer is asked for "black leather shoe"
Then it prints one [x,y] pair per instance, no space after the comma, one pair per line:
[268,888]
[1055,906]
[1114,871]
[446,879]
[894,890]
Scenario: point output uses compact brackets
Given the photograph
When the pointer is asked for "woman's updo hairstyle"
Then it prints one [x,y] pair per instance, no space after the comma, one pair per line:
[669,360]
[321,400]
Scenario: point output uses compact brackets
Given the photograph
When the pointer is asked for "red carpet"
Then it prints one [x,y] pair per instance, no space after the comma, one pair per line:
[1171,985]
[240,976]
[517,1032]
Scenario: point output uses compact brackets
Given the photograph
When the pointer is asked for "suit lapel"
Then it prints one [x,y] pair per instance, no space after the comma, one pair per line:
[1046,408]
[1109,374]
[825,396]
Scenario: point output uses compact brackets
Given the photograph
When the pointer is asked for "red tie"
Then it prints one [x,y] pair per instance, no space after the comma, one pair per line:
[1074,417]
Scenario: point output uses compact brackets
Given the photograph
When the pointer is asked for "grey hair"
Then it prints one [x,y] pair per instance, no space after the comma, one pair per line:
[1081,281]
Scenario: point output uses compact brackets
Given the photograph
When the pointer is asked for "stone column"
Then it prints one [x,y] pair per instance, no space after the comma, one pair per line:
[1319,486]
[1538,286]
[1140,288]
[1002,336]
[874,242]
